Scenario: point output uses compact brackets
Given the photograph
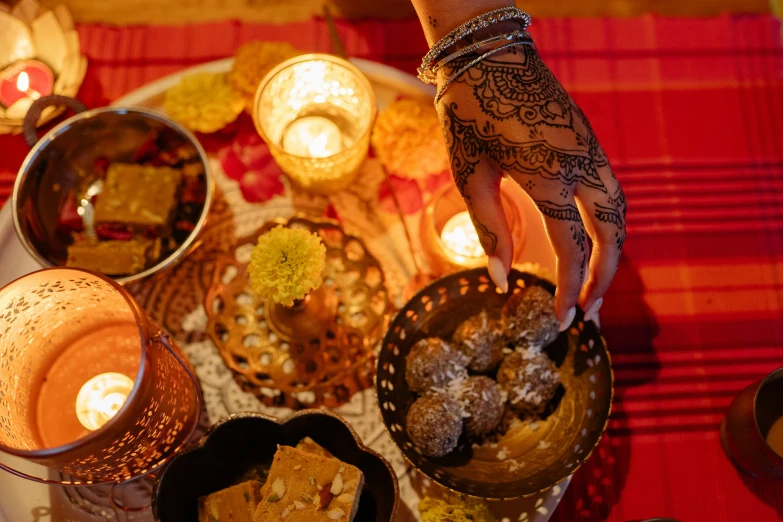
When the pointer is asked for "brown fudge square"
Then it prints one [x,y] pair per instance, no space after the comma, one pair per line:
[234,504]
[112,257]
[138,195]
[303,487]
[310,446]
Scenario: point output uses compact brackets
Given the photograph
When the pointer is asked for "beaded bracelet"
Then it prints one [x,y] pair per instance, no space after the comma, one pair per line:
[471,26]
[518,34]
[484,56]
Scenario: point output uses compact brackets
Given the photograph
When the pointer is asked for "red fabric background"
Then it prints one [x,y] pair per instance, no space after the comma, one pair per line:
[691,113]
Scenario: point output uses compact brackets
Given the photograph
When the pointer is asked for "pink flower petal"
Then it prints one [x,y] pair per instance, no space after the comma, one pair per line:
[408,194]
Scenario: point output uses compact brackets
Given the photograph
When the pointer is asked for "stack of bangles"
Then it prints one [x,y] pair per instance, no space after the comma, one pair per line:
[458,44]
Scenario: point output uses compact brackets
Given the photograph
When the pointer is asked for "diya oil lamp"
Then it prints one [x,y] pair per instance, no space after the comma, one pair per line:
[39,55]
[316,111]
[449,239]
[89,384]
[752,431]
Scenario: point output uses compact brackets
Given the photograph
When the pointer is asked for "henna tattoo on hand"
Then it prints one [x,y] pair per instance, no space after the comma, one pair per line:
[488,237]
[579,236]
[468,143]
[432,22]
[567,212]
[524,89]
[615,216]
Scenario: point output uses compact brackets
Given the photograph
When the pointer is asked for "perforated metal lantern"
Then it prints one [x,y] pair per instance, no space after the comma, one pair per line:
[46,320]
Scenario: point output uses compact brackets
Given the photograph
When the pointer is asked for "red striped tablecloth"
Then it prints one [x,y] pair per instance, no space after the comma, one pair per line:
[691,113]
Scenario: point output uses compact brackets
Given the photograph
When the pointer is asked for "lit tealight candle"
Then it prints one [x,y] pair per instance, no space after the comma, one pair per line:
[461,240]
[313,137]
[101,398]
[26,79]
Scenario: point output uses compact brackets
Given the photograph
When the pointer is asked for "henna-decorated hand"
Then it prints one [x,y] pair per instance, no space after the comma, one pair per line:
[509,115]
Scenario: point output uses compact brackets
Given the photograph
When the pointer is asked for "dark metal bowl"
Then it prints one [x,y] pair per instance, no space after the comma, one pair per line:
[243,445]
[543,456]
[53,165]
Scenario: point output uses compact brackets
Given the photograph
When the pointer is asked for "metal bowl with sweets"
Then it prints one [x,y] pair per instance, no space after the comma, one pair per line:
[120,191]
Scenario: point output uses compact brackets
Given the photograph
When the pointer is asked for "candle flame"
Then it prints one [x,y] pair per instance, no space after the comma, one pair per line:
[23,81]
[101,398]
[460,236]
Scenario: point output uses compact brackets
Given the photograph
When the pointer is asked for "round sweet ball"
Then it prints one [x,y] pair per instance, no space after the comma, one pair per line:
[483,403]
[433,363]
[480,339]
[529,317]
[434,424]
[530,380]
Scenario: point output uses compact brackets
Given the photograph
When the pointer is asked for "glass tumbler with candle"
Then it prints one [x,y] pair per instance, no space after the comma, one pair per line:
[315,112]
[89,384]
[449,239]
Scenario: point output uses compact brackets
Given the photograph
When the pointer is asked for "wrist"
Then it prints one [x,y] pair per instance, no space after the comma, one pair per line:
[440,19]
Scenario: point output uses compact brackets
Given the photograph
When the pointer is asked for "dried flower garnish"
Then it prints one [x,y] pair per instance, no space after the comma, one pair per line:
[203,102]
[408,140]
[286,264]
[253,61]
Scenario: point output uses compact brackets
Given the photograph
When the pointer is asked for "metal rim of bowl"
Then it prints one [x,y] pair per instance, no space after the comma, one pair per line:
[50,136]
[301,413]
[441,482]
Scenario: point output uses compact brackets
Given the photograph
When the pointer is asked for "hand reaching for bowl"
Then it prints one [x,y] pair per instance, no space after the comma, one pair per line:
[508,115]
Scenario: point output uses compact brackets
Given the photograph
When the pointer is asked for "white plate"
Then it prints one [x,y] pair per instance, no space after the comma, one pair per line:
[21,501]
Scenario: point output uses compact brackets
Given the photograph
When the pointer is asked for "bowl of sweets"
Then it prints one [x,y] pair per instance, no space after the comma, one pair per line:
[311,467]
[483,394]
[119,191]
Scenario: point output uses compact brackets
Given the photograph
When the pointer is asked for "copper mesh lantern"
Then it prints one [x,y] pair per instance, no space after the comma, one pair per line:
[89,384]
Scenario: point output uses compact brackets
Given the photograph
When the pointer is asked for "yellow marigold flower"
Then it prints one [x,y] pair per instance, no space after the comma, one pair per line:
[203,102]
[434,510]
[286,264]
[408,141]
[251,63]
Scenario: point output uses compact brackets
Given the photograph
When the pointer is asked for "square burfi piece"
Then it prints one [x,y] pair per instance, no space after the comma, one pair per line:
[112,257]
[138,195]
[303,487]
[234,504]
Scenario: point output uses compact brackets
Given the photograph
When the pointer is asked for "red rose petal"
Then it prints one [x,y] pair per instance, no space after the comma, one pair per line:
[435,181]
[113,231]
[408,194]
[331,213]
[260,186]
[232,164]
[68,219]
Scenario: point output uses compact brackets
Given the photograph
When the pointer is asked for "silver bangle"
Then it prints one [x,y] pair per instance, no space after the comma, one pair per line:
[471,26]
[478,45]
[484,56]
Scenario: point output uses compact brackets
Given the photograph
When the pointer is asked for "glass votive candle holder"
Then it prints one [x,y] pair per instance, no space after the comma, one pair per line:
[449,239]
[315,111]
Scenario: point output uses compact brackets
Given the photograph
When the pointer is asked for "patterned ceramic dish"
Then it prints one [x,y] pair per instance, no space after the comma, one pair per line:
[532,456]
[241,447]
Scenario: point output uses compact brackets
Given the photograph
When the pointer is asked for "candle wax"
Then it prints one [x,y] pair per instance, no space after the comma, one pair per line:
[26,79]
[775,437]
[313,137]
[115,347]
[460,238]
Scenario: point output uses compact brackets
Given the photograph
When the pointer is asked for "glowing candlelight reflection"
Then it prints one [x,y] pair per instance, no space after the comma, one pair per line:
[23,82]
[461,239]
[101,398]
[313,137]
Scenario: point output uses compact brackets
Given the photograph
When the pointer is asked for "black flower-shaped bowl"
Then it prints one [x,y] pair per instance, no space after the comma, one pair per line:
[241,447]
[532,456]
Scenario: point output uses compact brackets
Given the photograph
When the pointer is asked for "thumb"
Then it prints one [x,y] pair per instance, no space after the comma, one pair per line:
[481,192]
